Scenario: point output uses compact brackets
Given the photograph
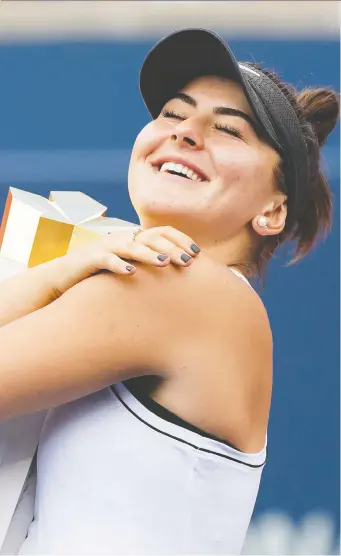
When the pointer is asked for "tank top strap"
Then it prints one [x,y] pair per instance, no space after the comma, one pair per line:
[240,275]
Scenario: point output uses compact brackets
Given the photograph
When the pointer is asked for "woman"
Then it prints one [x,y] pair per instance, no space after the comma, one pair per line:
[163,379]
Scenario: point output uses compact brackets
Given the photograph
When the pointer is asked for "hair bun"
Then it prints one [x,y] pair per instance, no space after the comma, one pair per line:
[321,108]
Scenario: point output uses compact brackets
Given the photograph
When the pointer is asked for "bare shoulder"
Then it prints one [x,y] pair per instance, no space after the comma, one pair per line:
[223,364]
[171,322]
[204,298]
[223,298]
[206,331]
[205,288]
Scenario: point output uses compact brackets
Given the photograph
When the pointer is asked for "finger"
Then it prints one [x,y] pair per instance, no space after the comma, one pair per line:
[180,239]
[110,261]
[141,253]
[177,255]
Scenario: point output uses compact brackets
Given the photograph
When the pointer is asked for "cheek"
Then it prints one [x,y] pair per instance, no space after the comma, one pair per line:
[247,170]
[148,140]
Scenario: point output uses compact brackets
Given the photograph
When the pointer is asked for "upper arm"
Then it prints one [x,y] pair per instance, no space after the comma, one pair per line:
[101,331]
[230,376]
[251,360]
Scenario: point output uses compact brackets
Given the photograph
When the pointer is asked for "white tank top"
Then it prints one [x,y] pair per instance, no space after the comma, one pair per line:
[115,478]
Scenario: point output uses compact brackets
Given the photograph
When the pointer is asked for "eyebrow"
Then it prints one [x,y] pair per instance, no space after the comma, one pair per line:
[220,110]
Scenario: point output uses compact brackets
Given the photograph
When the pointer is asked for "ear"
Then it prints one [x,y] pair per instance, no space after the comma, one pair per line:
[272,221]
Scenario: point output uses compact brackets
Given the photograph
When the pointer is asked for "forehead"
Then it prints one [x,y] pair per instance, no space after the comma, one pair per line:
[213,90]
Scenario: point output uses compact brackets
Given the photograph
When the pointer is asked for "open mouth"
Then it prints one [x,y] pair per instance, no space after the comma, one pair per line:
[179,170]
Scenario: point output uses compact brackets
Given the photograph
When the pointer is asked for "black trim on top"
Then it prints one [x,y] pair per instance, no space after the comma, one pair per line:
[180,439]
[167,415]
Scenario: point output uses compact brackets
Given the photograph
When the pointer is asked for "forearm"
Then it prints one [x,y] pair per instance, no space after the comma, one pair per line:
[37,287]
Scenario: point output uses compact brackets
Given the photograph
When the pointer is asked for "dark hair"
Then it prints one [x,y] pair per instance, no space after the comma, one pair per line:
[318,112]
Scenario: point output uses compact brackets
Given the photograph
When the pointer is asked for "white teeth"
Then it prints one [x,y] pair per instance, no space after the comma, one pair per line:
[167,166]
[181,169]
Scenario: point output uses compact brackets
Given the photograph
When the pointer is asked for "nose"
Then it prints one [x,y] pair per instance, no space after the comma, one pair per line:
[187,136]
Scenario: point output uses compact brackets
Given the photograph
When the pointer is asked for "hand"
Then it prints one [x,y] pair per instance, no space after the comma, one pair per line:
[156,246]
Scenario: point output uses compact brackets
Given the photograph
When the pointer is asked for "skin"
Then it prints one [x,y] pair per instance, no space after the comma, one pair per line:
[220,214]
[214,348]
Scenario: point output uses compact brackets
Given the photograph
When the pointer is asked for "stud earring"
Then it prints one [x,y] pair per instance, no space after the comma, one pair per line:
[263,222]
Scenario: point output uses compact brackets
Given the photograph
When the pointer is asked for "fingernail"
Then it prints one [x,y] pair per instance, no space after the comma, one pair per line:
[162,257]
[195,248]
[130,268]
[185,258]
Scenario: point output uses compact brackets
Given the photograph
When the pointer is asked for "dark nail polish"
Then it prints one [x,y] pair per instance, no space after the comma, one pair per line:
[185,258]
[195,248]
[162,257]
[130,268]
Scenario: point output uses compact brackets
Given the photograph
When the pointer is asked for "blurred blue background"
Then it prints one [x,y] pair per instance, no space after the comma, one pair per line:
[69,113]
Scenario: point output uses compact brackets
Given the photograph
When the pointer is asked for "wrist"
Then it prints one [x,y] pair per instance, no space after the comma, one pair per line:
[65,272]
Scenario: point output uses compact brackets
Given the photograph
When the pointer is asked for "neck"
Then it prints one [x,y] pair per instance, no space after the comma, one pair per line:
[232,251]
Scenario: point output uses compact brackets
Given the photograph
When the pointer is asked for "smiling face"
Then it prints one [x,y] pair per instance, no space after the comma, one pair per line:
[209,132]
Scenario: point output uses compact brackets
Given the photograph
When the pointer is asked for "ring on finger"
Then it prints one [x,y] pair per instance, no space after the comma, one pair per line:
[136,232]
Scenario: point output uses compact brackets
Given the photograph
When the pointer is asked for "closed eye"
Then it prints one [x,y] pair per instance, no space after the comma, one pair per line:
[171,114]
[229,129]
[226,128]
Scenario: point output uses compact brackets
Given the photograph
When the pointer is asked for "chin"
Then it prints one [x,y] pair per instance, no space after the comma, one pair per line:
[159,210]
[163,199]
[153,213]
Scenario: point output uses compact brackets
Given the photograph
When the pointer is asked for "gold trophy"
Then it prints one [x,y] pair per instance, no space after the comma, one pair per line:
[35,230]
